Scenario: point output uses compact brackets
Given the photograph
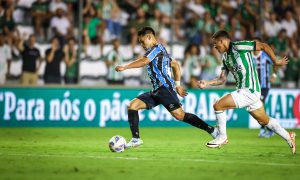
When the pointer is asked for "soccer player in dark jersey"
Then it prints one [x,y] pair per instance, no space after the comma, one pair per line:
[263,65]
[165,88]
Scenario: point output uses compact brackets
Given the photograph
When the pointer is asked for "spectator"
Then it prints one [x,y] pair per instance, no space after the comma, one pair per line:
[39,12]
[271,26]
[94,28]
[192,30]
[57,4]
[54,56]
[71,60]
[289,24]
[61,26]
[113,59]
[9,25]
[111,14]
[5,60]
[135,25]
[238,32]
[149,6]
[166,8]
[130,6]
[196,6]
[207,25]
[178,21]
[210,63]
[191,66]
[292,71]
[31,59]
[280,42]
[155,21]
[281,7]
[2,12]
[248,16]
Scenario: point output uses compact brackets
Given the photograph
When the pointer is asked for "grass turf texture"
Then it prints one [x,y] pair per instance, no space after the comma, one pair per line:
[167,153]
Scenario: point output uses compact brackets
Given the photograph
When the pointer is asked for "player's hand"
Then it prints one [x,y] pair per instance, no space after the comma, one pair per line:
[181,91]
[202,84]
[282,61]
[273,78]
[120,68]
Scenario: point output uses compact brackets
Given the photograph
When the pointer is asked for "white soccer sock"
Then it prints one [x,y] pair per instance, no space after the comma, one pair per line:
[221,121]
[275,126]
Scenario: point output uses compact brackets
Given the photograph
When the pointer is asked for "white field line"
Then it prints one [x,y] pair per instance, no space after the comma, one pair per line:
[147,159]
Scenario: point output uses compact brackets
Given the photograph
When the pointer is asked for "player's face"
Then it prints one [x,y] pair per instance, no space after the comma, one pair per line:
[219,45]
[145,41]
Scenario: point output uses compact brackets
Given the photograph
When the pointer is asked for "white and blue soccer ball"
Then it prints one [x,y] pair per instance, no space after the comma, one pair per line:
[117,143]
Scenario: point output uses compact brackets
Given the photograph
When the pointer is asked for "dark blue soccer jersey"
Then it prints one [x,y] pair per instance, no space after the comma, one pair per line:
[159,69]
[263,63]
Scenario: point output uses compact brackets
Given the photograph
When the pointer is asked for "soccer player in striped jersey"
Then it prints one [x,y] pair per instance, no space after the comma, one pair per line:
[165,88]
[263,65]
[237,59]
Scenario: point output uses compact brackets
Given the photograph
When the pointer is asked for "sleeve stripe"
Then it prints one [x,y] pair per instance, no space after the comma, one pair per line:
[245,47]
[153,53]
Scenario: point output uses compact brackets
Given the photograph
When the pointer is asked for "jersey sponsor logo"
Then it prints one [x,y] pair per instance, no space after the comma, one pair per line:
[236,68]
[171,106]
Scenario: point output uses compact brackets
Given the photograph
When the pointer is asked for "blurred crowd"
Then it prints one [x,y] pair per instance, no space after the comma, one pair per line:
[188,23]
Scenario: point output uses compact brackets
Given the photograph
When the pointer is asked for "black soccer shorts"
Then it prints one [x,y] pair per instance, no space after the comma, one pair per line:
[264,94]
[163,95]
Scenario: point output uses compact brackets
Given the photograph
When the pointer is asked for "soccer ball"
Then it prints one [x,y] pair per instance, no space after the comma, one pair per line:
[117,143]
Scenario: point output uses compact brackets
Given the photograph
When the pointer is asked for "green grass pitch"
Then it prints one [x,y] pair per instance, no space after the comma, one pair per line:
[167,153]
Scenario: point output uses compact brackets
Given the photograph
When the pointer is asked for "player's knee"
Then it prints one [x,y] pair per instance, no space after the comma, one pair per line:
[217,106]
[263,121]
[133,106]
[179,116]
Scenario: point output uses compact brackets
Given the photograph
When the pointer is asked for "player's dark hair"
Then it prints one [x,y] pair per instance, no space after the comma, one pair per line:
[220,34]
[146,30]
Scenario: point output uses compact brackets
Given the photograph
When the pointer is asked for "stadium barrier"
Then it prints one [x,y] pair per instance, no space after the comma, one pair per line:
[96,107]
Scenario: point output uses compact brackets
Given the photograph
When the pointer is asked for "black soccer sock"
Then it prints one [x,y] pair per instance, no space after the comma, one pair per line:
[133,119]
[197,122]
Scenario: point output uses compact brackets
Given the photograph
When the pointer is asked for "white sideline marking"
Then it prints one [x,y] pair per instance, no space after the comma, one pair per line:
[146,159]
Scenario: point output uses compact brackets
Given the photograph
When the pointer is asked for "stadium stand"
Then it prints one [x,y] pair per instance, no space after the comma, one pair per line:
[178,25]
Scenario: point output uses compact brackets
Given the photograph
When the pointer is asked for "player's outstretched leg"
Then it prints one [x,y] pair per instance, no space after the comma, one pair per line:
[261,116]
[133,119]
[195,121]
[225,102]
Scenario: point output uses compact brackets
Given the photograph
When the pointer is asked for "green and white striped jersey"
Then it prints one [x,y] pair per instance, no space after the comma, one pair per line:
[238,60]
[113,55]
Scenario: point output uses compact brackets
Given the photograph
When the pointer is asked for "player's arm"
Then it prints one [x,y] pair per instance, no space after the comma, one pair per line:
[275,70]
[265,47]
[177,76]
[215,82]
[140,62]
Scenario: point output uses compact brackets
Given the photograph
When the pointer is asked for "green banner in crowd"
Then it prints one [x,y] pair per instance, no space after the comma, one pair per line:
[84,107]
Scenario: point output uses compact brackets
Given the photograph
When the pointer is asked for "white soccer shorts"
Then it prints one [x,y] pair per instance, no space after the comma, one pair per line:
[245,98]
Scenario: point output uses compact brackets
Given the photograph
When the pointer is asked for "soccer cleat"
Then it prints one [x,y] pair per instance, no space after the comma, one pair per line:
[218,142]
[292,142]
[262,132]
[134,142]
[268,134]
